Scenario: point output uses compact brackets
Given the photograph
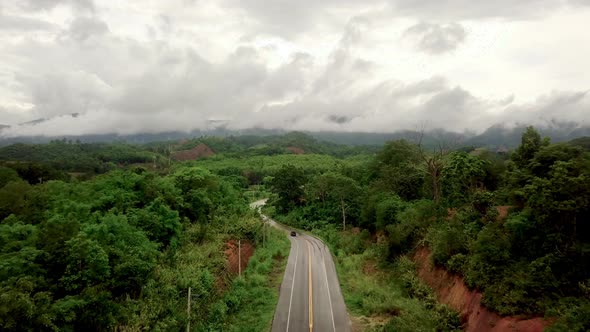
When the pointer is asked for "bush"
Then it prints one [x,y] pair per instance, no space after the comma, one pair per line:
[411,226]
[446,239]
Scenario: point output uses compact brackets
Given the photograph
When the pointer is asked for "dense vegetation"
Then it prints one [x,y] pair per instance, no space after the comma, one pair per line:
[249,145]
[68,156]
[534,261]
[120,251]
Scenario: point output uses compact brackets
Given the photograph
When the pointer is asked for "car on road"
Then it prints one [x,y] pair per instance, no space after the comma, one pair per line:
[293,233]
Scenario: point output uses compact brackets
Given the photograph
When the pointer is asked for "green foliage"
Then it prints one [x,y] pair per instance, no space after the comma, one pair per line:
[386,211]
[118,251]
[272,145]
[391,294]
[447,239]
[159,222]
[574,315]
[7,175]
[446,318]
[288,184]
[74,157]
[524,263]
[583,142]
[483,202]
[530,144]
[336,197]
[13,198]
[396,169]
[412,226]
[252,299]
[462,175]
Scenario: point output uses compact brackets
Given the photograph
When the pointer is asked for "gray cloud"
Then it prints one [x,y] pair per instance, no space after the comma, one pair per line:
[287,17]
[84,27]
[123,82]
[344,71]
[436,38]
[20,23]
[87,5]
[467,9]
[291,18]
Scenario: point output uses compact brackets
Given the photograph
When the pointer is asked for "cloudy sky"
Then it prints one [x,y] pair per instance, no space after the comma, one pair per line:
[348,65]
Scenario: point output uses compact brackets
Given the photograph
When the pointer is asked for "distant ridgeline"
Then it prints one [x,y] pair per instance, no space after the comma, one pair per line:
[40,162]
[497,136]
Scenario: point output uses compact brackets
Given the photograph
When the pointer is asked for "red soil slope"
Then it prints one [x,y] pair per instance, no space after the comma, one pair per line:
[452,291]
[232,255]
[295,150]
[198,152]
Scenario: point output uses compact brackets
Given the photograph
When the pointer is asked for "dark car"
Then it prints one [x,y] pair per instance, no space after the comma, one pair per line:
[293,233]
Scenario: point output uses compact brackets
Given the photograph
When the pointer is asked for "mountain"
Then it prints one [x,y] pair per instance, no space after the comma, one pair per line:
[496,137]
[500,135]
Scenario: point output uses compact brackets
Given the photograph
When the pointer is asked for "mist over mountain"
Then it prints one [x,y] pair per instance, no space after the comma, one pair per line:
[497,136]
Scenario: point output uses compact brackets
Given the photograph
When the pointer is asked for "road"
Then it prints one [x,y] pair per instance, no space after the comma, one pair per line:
[310,297]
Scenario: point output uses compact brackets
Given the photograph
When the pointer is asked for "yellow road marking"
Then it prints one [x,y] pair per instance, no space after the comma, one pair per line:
[310,290]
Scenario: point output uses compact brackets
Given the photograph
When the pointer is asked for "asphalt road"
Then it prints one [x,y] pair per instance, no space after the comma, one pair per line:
[310,297]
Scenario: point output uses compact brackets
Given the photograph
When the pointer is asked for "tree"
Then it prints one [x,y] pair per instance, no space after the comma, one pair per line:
[160,223]
[13,198]
[433,165]
[7,175]
[87,263]
[462,175]
[337,188]
[397,168]
[288,183]
[530,143]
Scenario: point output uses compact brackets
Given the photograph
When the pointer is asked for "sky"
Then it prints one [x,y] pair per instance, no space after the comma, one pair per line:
[134,66]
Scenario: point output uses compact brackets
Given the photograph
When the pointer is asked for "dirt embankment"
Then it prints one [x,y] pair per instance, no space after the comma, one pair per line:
[295,150]
[198,152]
[233,259]
[452,291]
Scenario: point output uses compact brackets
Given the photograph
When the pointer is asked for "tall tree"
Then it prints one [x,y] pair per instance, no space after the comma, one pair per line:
[397,168]
[433,165]
[530,143]
[288,183]
[338,188]
[462,175]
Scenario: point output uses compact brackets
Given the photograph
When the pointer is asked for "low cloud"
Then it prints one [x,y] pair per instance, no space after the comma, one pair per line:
[160,73]
[436,38]
[21,23]
[468,9]
[39,5]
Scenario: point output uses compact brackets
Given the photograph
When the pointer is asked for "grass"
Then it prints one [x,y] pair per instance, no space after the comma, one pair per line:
[220,301]
[255,293]
[382,296]
[377,299]
[385,297]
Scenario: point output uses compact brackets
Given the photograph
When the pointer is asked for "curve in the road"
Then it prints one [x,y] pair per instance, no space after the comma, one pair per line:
[310,296]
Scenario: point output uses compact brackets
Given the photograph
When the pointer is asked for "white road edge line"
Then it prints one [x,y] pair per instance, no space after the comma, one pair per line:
[293,284]
[328,286]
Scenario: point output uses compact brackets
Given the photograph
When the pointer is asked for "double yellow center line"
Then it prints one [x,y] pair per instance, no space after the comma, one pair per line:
[310,289]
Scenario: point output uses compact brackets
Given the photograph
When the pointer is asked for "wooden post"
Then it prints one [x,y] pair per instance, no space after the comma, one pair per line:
[342,205]
[188,311]
[240,257]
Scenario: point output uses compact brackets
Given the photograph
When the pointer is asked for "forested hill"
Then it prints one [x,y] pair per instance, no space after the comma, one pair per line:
[251,145]
[120,251]
[117,248]
[498,135]
[583,142]
[51,160]
[513,226]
